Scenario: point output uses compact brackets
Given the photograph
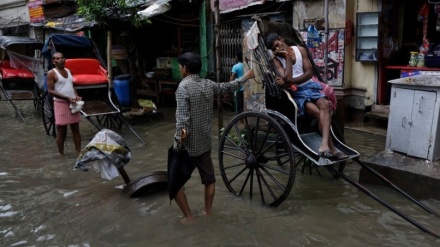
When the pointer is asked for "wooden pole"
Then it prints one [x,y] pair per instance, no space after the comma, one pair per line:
[218,60]
[109,56]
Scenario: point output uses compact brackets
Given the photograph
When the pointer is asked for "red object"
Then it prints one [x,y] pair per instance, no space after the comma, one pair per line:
[292,87]
[329,92]
[348,32]
[424,10]
[8,72]
[86,71]
[409,68]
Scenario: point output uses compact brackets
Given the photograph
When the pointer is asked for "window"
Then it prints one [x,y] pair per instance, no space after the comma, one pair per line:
[367,36]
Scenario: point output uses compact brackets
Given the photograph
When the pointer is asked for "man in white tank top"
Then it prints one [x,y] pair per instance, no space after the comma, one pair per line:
[295,70]
[60,86]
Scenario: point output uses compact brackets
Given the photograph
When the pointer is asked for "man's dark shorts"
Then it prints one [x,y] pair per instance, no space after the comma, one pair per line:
[205,166]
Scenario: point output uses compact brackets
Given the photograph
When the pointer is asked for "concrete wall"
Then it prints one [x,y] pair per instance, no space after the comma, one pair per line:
[363,75]
[315,10]
[14,14]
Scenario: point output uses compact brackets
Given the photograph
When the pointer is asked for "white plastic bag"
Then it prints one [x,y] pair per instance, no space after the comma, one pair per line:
[107,169]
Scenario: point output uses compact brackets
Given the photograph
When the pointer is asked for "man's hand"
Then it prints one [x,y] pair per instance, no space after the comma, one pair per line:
[280,82]
[249,74]
[182,135]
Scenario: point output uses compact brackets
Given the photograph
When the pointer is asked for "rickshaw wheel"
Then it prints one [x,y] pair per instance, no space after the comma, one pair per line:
[47,114]
[256,158]
[110,121]
[38,101]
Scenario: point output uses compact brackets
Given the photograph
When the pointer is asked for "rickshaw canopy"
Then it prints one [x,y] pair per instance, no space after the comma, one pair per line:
[21,54]
[72,46]
[6,41]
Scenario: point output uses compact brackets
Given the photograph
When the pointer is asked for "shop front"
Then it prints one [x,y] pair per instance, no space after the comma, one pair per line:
[409,42]
[149,53]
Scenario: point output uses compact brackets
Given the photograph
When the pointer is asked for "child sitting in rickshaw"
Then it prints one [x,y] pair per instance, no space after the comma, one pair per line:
[295,72]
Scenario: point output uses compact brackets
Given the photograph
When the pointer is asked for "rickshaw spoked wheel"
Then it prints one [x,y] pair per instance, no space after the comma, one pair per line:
[256,158]
[110,121]
[47,114]
[39,93]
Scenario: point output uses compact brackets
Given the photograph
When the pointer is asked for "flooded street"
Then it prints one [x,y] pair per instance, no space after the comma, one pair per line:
[44,201]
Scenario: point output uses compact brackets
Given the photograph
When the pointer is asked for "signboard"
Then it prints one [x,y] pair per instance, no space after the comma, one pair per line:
[36,10]
[335,56]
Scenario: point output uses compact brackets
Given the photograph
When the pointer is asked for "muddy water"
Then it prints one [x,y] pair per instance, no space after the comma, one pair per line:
[45,202]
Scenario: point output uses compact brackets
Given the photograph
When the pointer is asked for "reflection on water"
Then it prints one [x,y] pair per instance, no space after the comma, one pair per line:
[45,202]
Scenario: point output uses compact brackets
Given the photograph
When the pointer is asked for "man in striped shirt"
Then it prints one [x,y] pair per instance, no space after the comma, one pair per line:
[195,98]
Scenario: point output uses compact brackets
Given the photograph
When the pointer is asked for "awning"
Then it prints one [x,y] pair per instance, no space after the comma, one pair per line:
[156,8]
[226,6]
[72,24]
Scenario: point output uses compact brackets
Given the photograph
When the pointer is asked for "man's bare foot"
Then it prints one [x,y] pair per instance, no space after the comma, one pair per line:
[204,213]
[186,221]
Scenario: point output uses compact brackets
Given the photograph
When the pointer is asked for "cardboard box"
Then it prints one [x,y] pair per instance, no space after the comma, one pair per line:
[119,52]
[432,61]
[162,73]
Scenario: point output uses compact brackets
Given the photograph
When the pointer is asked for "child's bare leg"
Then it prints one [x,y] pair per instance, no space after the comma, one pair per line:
[318,111]
[325,121]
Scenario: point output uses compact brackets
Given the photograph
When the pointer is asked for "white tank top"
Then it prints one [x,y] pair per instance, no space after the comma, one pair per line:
[64,85]
[297,68]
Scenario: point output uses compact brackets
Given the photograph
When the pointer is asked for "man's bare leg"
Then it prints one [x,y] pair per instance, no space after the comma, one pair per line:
[209,198]
[61,138]
[182,202]
[76,137]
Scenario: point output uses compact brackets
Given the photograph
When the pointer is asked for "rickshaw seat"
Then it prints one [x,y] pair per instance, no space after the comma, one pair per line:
[86,71]
[9,72]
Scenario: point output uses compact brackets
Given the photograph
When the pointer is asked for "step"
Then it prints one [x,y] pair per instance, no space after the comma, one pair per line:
[418,177]
[380,112]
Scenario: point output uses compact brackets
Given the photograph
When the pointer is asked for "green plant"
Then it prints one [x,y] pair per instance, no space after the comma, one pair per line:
[239,140]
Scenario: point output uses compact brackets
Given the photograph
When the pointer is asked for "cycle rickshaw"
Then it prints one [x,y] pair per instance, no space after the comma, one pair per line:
[21,71]
[90,80]
[259,157]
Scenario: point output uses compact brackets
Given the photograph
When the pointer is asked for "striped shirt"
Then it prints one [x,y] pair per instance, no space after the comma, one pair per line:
[195,103]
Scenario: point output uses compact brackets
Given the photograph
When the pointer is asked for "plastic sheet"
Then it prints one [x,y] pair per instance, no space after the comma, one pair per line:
[107,147]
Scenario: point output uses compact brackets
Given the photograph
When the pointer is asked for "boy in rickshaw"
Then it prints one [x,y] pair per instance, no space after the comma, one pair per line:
[295,72]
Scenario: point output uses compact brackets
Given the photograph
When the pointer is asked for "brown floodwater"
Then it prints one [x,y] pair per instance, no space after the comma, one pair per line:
[44,201]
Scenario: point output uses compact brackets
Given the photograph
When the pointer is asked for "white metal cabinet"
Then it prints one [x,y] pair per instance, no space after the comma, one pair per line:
[414,116]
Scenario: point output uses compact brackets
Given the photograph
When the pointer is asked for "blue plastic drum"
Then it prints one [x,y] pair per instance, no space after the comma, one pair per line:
[122,89]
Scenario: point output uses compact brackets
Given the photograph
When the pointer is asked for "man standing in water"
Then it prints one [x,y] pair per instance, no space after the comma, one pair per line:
[195,98]
[60,86]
